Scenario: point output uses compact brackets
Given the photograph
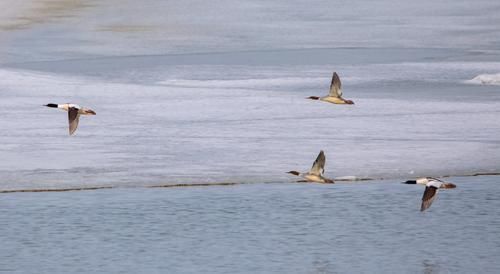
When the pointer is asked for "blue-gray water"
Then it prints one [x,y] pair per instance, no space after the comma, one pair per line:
[369,227]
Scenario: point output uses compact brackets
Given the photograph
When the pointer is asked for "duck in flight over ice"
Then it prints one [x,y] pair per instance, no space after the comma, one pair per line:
[316,172]
[74,112]
[335,95]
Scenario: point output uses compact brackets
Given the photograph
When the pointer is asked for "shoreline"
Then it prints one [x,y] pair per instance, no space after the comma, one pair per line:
[344,180]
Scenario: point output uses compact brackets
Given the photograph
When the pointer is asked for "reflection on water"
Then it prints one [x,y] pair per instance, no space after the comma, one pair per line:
[322,266]
[430,267]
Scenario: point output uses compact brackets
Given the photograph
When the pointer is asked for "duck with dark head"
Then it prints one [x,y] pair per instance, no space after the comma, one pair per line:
[74,112]
[316,173]
[335,95]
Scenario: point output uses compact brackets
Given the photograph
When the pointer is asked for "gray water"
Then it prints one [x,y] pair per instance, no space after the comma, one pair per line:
[366,227]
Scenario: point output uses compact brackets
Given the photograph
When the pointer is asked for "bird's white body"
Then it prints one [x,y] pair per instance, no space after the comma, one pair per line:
[314,178]
[432,186]
[434,183]
[66,107]
[74,112]
[333,100]
[423,181]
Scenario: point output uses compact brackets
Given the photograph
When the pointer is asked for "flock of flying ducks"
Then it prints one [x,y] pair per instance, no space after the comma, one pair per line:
[315,175]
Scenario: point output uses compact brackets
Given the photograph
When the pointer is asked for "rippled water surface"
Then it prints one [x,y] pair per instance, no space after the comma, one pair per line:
[372,227]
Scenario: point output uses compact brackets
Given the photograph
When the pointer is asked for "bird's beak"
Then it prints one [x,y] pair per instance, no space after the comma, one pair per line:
[91,112]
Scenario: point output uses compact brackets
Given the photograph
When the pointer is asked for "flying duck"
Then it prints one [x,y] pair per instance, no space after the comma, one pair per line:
[316,172]
[335,95]
[432,185]
[74,112]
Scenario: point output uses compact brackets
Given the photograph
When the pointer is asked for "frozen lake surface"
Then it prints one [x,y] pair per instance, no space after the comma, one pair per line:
[246,123]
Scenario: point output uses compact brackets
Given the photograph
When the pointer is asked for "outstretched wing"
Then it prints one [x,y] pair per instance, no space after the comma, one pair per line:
[318,167]
[439,183]
[435,179]
[430,195]
[73,118]
[336,86]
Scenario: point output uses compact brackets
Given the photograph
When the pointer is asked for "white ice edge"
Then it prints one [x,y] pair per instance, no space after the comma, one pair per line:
[485,79]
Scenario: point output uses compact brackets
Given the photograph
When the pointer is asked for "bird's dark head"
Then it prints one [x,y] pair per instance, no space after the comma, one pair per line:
[313,97]
[411,182]
[296,173]
[51,105]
